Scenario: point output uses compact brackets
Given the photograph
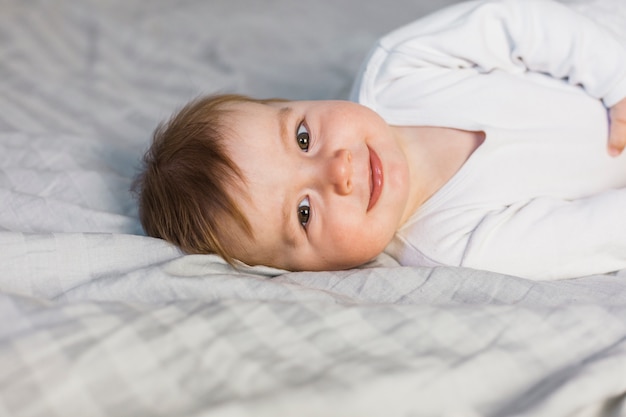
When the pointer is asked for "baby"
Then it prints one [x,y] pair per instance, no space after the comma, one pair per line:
[476,136]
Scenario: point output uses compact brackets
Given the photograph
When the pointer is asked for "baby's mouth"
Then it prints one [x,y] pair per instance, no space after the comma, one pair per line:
[376,178]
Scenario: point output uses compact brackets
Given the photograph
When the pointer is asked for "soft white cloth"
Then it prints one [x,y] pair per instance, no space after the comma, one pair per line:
[541,197]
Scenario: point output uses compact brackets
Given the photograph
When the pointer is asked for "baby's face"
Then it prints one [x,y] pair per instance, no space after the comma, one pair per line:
[326,181]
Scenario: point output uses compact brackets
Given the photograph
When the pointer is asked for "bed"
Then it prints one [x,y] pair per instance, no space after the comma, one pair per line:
[99,320]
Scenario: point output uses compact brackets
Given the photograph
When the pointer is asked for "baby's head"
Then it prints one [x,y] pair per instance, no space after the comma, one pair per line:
[298,185]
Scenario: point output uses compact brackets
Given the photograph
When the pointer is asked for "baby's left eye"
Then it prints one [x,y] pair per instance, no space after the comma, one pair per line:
[302,137]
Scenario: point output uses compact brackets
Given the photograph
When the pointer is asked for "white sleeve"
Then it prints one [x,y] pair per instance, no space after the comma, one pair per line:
[511,35]
[540,239]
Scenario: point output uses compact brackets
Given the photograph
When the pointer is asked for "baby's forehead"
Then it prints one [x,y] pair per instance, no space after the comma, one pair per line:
[239,114]
[257,121]
[267,240]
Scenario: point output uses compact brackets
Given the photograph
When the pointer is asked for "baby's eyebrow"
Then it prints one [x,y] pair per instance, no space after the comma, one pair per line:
[284,115]
[289,234]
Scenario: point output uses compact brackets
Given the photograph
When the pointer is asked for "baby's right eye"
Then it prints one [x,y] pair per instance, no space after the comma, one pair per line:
[304,211]
[302,136]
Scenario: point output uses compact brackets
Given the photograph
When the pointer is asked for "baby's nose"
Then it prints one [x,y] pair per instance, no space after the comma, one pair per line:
[340,171]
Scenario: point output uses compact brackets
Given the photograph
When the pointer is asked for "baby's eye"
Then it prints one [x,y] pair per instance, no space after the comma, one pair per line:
[304,211]
[302,136]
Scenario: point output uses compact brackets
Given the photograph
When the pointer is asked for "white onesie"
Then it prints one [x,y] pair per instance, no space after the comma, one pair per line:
[540,198]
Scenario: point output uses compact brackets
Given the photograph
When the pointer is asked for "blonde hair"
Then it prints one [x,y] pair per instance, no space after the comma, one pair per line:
[183,189]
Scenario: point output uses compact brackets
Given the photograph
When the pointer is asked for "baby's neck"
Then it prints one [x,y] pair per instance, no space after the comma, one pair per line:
[434,155]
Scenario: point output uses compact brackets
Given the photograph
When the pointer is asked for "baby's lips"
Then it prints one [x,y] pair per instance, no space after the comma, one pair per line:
[376,178]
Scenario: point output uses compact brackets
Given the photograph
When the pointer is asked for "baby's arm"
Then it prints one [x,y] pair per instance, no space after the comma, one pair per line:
[511,36]
[617,137]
